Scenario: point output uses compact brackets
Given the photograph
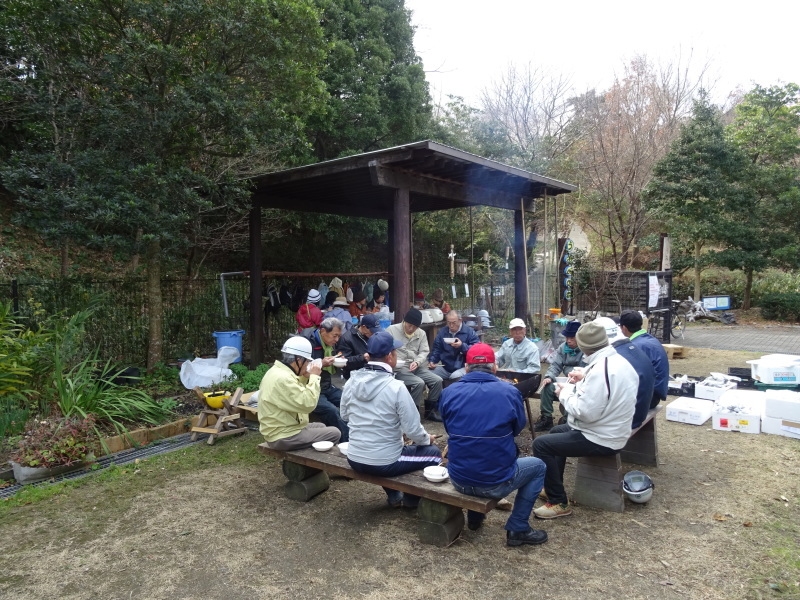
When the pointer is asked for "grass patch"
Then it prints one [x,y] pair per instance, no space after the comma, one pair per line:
[781,573]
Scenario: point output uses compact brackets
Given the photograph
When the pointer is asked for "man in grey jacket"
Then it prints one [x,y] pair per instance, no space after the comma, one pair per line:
[564,360]
[379,410]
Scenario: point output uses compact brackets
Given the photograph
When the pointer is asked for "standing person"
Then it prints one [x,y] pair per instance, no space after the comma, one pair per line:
[353,343]
[565,359]
[414,370]
[482,415]
[600,407]
[630,323]
[380,411]
[323,343]
[640,363]
[287,394]
[518,353]
[452,354]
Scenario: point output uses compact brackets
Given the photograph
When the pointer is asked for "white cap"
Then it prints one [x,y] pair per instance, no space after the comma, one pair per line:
[612,329]
[383,285]
[297,345]
[517,323]
[313,297]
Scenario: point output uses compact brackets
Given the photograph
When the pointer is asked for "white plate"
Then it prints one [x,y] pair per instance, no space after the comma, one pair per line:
[322,446]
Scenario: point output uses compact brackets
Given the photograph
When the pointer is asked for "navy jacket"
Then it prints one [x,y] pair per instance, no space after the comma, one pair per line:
[453,359]
[658,356]
[353,346]
[647,377]
[482,415]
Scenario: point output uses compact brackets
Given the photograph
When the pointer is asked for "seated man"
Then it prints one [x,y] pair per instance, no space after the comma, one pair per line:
[518,353]
[353,343]
[630,323]
[380,410]
[482,415]
[323,343]
[419,301]
[358,306]
[414,372]
[452,354]
[338,310]
[567,357]
[640,363]
[600,407]
[287,394]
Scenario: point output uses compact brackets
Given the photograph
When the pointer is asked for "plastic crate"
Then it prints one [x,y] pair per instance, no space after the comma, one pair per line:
[776,386]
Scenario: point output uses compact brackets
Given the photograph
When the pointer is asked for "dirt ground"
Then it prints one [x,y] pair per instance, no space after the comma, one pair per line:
[724,523]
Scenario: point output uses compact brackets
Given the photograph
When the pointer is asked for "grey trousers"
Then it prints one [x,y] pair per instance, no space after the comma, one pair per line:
[417,381]
[313,432]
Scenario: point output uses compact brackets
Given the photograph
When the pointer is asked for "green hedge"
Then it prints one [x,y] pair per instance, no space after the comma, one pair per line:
[781,306]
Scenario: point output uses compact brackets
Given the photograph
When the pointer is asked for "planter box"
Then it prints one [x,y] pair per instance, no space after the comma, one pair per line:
[36,474]
[141,437]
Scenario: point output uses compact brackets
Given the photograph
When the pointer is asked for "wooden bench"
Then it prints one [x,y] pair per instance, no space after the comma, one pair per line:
[440,513]
[598,480]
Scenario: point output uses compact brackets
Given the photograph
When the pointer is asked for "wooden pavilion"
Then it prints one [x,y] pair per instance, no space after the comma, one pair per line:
[390,184]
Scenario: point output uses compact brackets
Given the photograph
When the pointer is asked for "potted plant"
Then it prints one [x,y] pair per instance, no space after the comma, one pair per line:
[54,446]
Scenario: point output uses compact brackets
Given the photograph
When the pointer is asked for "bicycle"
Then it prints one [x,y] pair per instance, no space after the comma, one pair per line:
[676,319]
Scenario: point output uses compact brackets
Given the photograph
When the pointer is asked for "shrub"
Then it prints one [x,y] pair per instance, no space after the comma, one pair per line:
[246,379]
[57,442]
[781,306]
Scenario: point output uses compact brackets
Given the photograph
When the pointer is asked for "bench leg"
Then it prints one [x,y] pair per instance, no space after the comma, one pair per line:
[439,524]
[598,483]
[642,448]
[304,482]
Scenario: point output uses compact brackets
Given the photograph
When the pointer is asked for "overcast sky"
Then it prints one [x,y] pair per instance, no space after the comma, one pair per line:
[468,43]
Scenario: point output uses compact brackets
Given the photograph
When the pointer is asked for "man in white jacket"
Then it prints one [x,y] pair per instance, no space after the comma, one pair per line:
[600,401]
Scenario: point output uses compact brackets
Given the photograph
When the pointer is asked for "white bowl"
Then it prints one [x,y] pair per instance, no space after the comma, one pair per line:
[435,474]
[343,447]
[562,380]
[449,340]
[400,363]
[339,362]
[322,446]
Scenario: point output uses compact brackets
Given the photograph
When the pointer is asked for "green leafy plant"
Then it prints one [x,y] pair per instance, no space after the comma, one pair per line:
[781,306]
[13,415]
[245,378]
[58,442]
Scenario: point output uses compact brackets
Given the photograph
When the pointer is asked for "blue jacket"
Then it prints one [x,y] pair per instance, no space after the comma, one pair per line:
[647,377]
[482,415]
[658,356]
[452,358]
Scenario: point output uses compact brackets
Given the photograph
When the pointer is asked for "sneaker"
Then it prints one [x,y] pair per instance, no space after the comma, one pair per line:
[562,420]
[534,537]
[543,424]
[552,511]
[543,495]
[474,521]
[504,504]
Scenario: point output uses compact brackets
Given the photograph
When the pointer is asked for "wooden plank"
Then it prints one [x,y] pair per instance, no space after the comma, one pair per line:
[204,430]
[413,483]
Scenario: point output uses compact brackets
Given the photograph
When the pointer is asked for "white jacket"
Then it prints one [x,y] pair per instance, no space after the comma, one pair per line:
[602,407]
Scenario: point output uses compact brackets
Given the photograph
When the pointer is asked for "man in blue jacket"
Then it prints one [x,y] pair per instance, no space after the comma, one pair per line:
[452,354]
[630,323]
[482,415]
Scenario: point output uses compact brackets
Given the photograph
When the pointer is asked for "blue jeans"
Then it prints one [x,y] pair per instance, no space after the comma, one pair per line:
[327,411]
[445,374]
[554,448]
[528,479]
[412,458]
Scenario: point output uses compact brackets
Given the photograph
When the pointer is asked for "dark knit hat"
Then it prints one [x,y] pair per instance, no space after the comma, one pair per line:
[419,296]
[591,337]
[413,317]
[571,329]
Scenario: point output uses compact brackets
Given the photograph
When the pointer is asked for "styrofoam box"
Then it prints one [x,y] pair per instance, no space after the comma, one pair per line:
[782,427]
[709,392]
[776,368]
[782,404]
[738,410]
[689,410]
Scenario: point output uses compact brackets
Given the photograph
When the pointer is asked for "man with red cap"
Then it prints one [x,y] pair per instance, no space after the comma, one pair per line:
[482,415]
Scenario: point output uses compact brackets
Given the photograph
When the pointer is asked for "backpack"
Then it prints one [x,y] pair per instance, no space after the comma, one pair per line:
[273,303]
[285,296]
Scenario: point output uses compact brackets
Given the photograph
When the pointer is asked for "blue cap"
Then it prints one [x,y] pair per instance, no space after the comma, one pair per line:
[371,322]
[571,329]
[381,344]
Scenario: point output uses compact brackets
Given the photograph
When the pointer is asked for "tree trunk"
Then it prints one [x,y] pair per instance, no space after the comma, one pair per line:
[134,266]
[155,306]
[748,287]
[697,270]
[64,259]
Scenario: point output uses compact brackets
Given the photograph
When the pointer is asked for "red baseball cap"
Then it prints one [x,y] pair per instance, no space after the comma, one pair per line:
[480,353]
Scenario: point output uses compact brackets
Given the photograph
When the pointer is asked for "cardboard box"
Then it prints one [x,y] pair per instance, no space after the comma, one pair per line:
[689,410]
[776,369]
[782,404]
[738,410]
[709,392]
[781,427]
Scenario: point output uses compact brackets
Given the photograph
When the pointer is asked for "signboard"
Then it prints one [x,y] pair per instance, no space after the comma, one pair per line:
[717,302]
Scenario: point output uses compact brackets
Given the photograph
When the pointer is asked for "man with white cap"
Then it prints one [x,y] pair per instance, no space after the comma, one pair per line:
[518,353]
[287,395]
[600,405]
[639,361]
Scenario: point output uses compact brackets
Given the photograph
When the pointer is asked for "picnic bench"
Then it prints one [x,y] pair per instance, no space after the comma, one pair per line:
[598,480]
[440,512]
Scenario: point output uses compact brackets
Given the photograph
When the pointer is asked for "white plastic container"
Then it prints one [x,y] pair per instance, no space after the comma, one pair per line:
[782,404]
[689,410]
[776,369]
[739,410]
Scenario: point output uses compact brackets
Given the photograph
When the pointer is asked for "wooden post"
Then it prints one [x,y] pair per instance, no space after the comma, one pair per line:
[401,297]
[520,265]
[256,266]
